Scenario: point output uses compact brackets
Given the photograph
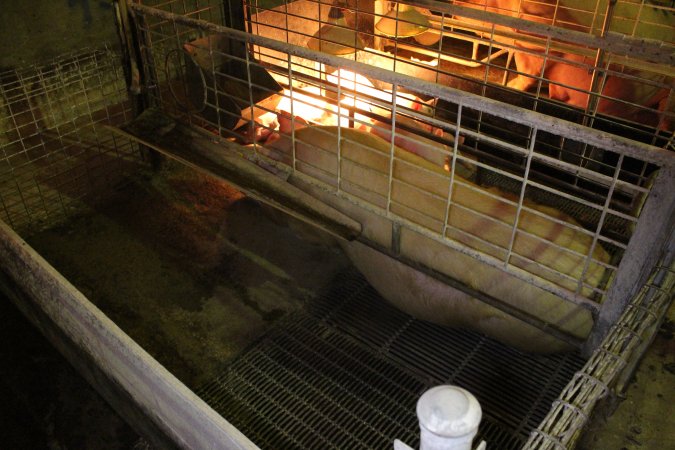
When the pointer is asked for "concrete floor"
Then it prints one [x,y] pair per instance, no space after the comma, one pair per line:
[643,420]
[46,404]
[37,384]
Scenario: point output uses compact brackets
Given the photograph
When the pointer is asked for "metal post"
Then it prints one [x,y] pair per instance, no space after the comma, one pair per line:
[654,227]
[95,341]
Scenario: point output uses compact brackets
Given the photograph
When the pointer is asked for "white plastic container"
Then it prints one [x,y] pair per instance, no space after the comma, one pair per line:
[449,417]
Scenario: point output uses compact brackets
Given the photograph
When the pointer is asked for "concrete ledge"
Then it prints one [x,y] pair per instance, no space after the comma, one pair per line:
[155,402]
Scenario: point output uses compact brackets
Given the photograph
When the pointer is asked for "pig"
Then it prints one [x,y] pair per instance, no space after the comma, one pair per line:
[429,149]
[277,145]
[427,298]
[569,76]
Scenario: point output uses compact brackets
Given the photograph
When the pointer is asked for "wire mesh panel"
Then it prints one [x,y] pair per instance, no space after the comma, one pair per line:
[549,202]
[347,373]
[478,45]
[54,153]
[620,349]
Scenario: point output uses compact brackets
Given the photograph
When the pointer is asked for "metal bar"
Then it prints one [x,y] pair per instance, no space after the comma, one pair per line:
[607,366]
[655,227]
[552,125]
[172,139]
[174,409]
[521,197]
[601,222]
[453,169]
[596,87]
[640,48]
[390,180]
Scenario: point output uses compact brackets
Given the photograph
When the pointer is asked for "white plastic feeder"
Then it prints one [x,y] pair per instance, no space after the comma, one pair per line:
[449,417]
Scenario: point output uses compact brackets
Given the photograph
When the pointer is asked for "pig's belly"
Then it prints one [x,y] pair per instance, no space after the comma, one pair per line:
[428,299]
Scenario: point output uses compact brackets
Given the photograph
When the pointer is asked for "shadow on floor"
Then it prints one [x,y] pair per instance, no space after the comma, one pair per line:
[45,403]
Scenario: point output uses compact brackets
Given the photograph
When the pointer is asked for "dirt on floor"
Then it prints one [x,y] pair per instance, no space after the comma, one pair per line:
[195,272]
[45,403]
[642,417]
[188,267]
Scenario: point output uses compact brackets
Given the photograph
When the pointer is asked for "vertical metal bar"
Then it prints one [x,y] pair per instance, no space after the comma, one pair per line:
[655,225]
[474,57]
[638,17]
[249,84]
[290,94]
[139,66]
[129,51]
[42,198]
[395,4]
[439,50]
[214,74]
[90,176]
[394,94]
[339,127]
[34,120]
[595,88]
[601,222]
[148,68]
[378,11]
[395,238]
[453,168]
[533,139]
[288,36]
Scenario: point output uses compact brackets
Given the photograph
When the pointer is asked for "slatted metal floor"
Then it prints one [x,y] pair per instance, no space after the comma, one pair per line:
[346,373]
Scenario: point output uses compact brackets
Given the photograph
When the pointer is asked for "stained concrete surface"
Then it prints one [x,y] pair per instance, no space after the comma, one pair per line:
[187,266]
[34,31]
[44,402]
[194,272]
[643,420]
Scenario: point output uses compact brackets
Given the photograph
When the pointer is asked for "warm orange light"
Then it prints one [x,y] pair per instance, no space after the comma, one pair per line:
[304,105]
[353,84]
[356,94]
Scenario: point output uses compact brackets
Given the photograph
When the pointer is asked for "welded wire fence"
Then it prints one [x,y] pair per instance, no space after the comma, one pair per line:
[54,153]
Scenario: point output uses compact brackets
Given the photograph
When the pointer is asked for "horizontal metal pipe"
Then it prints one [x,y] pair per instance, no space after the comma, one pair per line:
[175,409]
[523,316]
[617,43]
[552,125]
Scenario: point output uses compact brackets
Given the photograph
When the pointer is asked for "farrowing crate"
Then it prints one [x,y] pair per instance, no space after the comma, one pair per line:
[519,172]
[603,183]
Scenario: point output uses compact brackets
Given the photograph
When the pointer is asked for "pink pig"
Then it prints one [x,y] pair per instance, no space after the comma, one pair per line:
[626,96]
[411,141]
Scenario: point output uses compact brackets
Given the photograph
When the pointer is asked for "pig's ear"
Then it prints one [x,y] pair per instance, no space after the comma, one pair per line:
[431,102]
[363,127]
[425,107]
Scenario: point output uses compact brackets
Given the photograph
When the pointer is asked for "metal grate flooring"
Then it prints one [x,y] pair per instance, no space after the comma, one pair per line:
[346,373]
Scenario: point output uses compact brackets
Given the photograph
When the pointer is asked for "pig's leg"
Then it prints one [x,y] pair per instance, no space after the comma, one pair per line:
[529,66]
[279,144]
[569,84]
